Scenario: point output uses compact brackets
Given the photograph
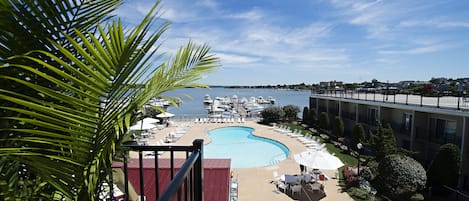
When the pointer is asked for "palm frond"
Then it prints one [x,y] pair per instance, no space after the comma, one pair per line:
[70,128]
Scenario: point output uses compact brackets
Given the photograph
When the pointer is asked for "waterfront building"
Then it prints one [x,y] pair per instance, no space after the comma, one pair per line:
[421,124]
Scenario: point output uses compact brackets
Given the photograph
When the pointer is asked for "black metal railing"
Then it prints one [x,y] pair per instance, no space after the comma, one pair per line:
[438,101]
[187,184]
[456,194]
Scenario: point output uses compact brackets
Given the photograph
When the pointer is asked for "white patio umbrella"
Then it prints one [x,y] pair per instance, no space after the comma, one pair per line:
[165,115]
[145,124]
[150,120]
[318,160]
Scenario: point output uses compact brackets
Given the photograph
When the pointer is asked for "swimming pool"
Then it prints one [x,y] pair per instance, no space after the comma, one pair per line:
[244,149]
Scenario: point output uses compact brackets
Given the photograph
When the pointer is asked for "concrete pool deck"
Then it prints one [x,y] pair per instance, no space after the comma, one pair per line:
[254,183]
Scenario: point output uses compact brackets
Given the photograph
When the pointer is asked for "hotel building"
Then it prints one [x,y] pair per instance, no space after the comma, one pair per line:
[420,124]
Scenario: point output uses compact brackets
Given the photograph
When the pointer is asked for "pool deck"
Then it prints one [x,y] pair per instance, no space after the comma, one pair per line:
[254,183]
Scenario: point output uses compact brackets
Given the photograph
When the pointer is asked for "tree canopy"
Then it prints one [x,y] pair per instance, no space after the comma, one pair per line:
[291,112]
[272,114]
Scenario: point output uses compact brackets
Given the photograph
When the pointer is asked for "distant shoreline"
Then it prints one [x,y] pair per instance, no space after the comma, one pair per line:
[283,87]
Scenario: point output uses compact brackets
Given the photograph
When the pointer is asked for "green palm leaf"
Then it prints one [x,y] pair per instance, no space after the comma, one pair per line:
[66,133]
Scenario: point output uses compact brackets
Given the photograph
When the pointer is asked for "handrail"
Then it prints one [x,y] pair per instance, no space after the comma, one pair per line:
[176,183]
[189,177]
[458,193]
[457,102]
[159,148]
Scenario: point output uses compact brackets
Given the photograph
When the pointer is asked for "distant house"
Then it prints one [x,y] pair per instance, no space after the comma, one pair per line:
[331,84]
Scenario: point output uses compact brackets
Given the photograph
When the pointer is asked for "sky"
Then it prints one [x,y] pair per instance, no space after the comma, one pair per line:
[262,42]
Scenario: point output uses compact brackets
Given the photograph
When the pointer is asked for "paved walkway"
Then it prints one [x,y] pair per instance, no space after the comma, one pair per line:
[254,183]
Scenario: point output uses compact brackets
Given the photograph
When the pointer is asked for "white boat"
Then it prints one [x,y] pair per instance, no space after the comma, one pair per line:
[234,99]
[207,99]
[271,100]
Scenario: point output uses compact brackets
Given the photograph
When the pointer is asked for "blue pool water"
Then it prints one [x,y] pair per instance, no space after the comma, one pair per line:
[244,149]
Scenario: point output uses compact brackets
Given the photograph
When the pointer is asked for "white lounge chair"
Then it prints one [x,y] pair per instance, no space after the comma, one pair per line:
[295,189]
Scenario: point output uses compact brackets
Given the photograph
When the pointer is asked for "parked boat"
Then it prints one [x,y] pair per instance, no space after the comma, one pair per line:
[207,99]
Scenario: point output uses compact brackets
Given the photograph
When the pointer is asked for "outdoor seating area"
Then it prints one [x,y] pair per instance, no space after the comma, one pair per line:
[304,186]
[152,133]
[309,184]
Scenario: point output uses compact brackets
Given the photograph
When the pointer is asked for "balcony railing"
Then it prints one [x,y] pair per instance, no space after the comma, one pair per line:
[440,101]
[187,184]
[456,194]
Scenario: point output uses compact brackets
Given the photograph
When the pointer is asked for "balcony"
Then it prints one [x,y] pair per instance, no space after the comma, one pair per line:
[185,184]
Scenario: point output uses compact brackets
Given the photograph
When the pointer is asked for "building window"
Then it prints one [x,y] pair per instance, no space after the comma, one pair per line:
[406,122]
[372,116]
[442,131]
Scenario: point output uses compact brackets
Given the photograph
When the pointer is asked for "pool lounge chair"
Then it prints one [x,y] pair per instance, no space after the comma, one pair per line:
[295,189]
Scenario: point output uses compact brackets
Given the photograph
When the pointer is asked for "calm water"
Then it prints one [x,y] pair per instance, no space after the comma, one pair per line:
[195,106]
[244,149]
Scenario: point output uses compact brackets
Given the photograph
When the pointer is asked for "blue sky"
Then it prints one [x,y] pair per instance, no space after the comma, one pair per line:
[262,42]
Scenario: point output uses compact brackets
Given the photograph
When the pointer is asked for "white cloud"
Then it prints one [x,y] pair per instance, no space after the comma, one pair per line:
[417,50]
[436,23]
[251,15]
[212,4]
[235,59]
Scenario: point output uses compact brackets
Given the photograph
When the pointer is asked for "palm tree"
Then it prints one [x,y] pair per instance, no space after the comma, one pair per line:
[69,94]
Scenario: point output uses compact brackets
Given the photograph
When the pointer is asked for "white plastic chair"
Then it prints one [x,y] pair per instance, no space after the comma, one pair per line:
[295,189]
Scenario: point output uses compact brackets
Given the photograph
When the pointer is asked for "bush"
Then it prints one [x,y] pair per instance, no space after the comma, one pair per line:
[445,167]
[416,197]
[373,167]
[358,134]
[291,112]
[367,174]
[350,177]
[338,127]
[358,193]
[272,115]
[306,116]
[400,176]
[324,121]
[313,117]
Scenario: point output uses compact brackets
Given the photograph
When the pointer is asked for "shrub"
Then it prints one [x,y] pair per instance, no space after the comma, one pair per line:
[400,176]
[350,177]
[272,114]
[373,165]
[291,112]
[306,117]
[358,134]
[313,117]
[367,174]
[416,197]
[338,127]
[358,193]
[445,167]
[324,121]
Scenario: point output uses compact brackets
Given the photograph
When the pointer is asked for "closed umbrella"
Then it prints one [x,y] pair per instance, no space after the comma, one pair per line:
[318,160]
